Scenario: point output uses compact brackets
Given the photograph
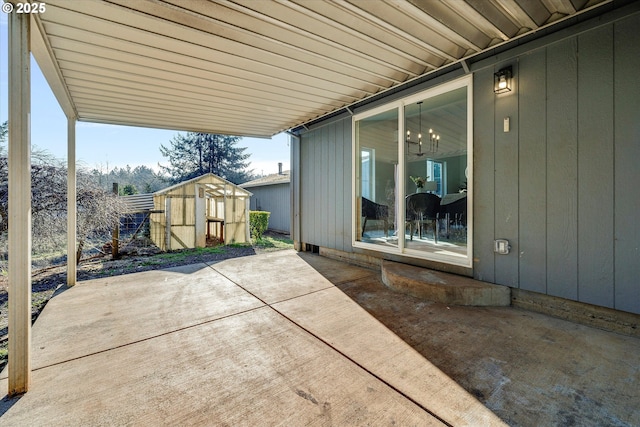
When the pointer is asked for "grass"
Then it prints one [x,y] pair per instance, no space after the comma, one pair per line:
[273,243]
[180,255]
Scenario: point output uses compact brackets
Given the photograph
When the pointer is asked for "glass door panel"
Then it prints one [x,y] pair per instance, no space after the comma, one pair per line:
[435,163]
[376,184]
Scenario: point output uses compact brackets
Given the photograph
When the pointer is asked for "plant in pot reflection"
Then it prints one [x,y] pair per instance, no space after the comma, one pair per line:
[419,182]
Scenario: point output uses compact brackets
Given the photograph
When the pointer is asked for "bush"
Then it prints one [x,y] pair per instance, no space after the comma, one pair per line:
[258,223]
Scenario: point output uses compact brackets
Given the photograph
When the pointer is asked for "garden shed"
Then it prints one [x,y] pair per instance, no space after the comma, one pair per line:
[200,209]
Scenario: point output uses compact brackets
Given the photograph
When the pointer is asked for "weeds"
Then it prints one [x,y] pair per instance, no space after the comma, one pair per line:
[177,256]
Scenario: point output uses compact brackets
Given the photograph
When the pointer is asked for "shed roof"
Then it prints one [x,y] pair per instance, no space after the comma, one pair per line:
[256,68]
[276,178]
[214,185]
[139,202]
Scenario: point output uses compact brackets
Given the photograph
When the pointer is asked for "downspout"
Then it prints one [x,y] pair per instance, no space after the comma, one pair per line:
[294,190]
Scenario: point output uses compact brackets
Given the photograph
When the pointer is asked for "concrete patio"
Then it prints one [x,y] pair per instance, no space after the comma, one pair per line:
[283,339]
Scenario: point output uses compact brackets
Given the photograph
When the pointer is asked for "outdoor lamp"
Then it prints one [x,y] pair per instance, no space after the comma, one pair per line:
[502,80]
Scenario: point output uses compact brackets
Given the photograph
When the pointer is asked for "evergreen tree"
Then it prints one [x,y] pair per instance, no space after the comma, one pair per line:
[139,178]
[128,190]
[195,154]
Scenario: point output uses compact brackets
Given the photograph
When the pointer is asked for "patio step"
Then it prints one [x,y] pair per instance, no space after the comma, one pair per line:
[442,287]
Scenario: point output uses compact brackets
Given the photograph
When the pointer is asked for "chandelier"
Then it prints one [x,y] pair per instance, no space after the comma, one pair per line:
[434,139]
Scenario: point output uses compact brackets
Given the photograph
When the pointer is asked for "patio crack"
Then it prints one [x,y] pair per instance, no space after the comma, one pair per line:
[149,338]
[334,348]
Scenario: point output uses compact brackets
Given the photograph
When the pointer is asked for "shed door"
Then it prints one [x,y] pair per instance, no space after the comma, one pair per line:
[201,217]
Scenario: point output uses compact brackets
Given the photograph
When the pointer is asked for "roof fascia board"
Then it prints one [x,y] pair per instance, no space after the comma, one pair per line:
[265,184]
[43,54]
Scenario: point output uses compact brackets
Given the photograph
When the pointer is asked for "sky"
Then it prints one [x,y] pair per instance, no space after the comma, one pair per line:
[107,146]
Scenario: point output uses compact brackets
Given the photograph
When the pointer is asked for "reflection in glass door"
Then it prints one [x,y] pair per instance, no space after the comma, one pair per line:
[435,163]
[412,160]
[376,171]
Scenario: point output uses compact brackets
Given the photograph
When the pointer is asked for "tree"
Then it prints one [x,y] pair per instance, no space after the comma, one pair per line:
[128,190]
[195,154]
[98,210]
[4,130]
[140,178]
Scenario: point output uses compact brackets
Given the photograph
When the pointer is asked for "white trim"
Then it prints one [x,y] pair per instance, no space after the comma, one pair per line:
[72,209]
[19,183]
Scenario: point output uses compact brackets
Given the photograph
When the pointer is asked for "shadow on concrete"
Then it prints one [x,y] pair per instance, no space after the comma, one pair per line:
[7,402]
[529,369]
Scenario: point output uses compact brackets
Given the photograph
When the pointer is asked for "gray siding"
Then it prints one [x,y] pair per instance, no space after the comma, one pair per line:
[325,182]
[563,185]
[626,128]
[276,199]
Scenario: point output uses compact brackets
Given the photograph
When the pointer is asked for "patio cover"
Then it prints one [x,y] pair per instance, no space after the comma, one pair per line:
[257,68]
[248,68]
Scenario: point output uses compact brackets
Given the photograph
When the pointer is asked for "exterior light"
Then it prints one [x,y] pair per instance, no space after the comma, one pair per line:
[502,80]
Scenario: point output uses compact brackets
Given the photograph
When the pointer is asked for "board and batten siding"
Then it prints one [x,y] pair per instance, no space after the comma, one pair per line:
[563,186]
[276,199]
[325,186]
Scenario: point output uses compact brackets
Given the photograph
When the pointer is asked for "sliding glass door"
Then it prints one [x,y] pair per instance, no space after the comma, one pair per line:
[412,193]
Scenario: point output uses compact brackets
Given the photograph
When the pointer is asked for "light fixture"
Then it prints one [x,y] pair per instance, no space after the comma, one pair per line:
[502,80]
[434,139]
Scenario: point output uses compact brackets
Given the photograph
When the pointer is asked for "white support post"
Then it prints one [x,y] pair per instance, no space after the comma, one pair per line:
[71,202]
[19,204]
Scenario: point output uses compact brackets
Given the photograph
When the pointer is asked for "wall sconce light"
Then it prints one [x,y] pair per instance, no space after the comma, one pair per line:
[502,80]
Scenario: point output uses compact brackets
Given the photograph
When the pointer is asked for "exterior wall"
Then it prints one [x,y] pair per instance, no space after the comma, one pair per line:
[276,199]
[325,186]
[561,185]
[182,222]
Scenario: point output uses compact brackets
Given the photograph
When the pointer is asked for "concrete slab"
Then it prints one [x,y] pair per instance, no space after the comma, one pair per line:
[528,368]
[254,368]
[335,271]
[192,347]
[338,320]
[102,314]
[273,277]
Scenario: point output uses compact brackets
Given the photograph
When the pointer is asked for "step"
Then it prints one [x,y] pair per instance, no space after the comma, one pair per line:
[442,287]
